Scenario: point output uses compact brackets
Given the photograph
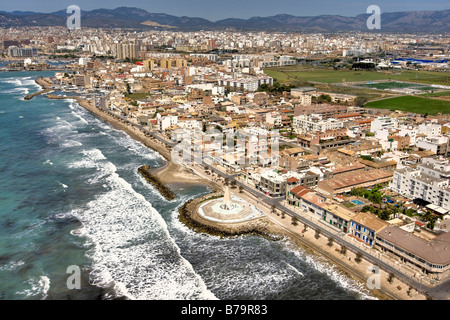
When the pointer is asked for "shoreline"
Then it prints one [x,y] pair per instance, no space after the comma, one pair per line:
[173,173]
[270,230]
[170,172]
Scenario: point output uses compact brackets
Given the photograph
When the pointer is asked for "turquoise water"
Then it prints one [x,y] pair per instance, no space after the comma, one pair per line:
[357,202]
[70,195]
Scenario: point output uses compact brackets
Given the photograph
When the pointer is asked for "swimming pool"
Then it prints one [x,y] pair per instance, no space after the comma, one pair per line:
[357,202]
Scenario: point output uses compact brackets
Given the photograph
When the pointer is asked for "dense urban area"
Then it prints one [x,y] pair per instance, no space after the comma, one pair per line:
[347,134]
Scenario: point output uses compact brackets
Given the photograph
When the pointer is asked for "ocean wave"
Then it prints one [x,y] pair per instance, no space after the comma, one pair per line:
[79,117]
[334,274]
[38,288]
[62,185]
[133,249]
[16,90]
[11,266]
[14,81]
[71,144]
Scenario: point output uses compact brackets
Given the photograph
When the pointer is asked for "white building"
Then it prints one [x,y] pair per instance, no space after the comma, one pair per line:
[165,122]
[248,84]
[430,129]
[437,144]
[383,123]
[313,123]
[429,182]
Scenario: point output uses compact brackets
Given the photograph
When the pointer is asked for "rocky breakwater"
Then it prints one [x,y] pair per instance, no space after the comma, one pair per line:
[157,183]
[188,214]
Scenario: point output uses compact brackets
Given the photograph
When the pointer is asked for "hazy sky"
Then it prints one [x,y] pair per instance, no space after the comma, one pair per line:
[221,9]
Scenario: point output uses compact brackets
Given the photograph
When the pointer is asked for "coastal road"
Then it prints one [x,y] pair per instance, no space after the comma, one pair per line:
[440,291]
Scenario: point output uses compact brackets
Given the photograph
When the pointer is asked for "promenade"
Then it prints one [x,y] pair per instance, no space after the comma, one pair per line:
[404,277]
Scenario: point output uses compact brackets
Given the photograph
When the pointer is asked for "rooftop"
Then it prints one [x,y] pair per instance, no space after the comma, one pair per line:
[436,251]
[370,221]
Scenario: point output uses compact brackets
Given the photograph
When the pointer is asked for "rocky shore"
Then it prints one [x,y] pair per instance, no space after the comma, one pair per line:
[188,214]
[163,189]
[265,226]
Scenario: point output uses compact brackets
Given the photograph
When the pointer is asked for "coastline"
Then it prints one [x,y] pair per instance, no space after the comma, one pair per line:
[275,228]
[170,172]
[173,173]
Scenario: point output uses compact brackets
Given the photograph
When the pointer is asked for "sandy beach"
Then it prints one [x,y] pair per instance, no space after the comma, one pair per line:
[171,172]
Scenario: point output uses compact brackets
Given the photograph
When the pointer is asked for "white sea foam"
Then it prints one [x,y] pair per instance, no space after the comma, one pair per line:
[14,81]
[71,143]
[333,273]
[11,266]
[79,117]
[62,185]
[133,248]
[38,287]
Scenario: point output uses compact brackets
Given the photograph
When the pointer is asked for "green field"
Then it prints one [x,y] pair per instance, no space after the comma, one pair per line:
[291,75]
[412,104]
[398,85]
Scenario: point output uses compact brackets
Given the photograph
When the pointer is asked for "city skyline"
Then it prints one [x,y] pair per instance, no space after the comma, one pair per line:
[233,9]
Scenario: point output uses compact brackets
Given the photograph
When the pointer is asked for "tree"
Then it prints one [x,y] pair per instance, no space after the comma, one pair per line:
[330,241]
[360,101]
[358,256]
[294,221]
[273,208]
[324,98]
[430,218]
[343,250]
[391,277]
[317,234]
[241,189]
[283,215]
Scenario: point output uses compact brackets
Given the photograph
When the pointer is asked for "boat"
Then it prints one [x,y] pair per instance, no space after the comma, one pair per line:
[27,97]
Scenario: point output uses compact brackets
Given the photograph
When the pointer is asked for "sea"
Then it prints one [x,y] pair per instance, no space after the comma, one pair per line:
[71,199]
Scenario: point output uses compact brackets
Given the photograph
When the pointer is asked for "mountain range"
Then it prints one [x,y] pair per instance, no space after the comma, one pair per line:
[127,17]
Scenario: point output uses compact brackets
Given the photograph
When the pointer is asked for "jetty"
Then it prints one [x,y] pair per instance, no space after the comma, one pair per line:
[43,83]
[163,189]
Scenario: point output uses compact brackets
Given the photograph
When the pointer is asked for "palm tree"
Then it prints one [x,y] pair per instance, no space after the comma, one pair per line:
[273,208]
[317,234]
[391,277]
[294,221]
[358,256]
[283,215]
[343,250]
[330,241]
[241,189]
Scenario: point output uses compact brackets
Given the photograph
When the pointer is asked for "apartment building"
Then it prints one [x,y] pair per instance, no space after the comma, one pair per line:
[315,122]
[429,182]
[383,123]
[247,84]
[438,144]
